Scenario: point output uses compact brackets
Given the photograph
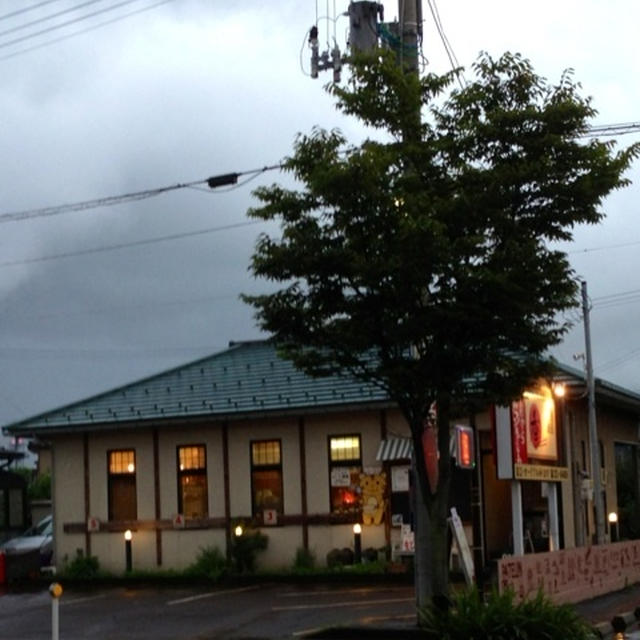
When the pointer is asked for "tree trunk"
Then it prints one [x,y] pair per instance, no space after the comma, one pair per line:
[431,513]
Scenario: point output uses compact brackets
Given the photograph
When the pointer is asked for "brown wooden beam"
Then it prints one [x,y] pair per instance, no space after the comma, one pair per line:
[87,494]
[303,482]
[318,519]
[227,490]
[156,494]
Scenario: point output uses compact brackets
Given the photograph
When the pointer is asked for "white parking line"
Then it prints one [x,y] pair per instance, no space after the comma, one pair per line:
[306,632]
[210,594]
[328,592]
[333,605]
[64,601]
[313,630]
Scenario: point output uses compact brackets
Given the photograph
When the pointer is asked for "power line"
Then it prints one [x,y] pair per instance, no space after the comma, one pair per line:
[453,60]
[51,16]
[612,129]
[18,12]
[83,31]
[213,181]
[620,360]
[8,43]
[617,299]
[127,245]
[621,245]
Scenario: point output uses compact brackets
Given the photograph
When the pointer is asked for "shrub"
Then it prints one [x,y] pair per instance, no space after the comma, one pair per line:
[83,567]
[210,563]
[339,557]
[502,618]
[244,550]
[40,487]
[369,555]
[305,559]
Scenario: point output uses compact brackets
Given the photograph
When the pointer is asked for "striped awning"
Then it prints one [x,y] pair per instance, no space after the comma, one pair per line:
[395,449]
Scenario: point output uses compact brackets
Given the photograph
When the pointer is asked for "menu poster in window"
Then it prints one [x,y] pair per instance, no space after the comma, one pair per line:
[340,477]
[399,479]
[407,539]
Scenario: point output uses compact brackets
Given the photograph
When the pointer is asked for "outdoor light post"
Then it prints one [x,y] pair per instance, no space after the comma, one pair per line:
[613,524]
[357,543]
[127,549]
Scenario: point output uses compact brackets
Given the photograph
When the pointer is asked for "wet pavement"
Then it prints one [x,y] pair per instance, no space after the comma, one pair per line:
[618,607]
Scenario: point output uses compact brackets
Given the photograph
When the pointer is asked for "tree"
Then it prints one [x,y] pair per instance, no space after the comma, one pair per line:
[422,259]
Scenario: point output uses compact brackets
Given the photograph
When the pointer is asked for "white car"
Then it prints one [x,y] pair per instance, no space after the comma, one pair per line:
[38,537]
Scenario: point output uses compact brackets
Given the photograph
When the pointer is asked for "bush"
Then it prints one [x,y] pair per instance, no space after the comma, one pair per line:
[305,560]
[339,557]
[40,487]
[244,550]
[210,563]
[83,567]
[502,618]
[369,555]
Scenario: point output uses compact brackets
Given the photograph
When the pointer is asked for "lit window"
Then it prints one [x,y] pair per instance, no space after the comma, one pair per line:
[192,481]
[345,466]
[345,448]
[266,477]
[122,485]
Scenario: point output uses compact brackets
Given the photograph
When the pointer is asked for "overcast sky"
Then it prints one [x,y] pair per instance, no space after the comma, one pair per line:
[193,88]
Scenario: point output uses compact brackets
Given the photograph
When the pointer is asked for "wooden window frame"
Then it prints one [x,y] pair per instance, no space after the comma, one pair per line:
[346,462]
[192,472]
[257,467]
[114,477]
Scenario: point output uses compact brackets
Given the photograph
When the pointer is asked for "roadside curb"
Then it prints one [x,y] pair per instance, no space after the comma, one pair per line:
[618,624]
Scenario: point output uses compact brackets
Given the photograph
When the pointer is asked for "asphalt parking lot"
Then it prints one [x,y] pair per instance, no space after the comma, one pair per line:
[265,611]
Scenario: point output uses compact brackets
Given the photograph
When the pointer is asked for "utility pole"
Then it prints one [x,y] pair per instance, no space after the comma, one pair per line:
[366,33]
[593,429]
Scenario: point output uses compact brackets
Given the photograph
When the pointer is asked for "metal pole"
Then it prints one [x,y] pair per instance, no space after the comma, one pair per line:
[128,555]
[516,518]
[593,428]
[55,619]
[55,591]
[127,550]
[357,544]
[554,522]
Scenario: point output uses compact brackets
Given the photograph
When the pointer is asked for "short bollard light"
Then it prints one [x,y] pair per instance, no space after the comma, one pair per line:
[127,550]
[357,543]
[55,590]
[613,523]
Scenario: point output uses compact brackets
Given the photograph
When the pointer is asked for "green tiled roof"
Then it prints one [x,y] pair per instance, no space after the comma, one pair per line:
[246,378]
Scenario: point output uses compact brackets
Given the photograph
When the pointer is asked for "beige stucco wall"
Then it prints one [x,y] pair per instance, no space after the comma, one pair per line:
[99,445]
[318,428]
[179,547]
[613,425]
[68,496]
[209,435]
[240,436]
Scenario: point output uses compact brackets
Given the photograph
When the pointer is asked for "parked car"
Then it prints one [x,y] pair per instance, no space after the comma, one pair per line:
[38,538]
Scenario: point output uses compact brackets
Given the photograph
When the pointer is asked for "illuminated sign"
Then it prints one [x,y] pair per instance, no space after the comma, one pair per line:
[540,472]
[465,458]
[533,424]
